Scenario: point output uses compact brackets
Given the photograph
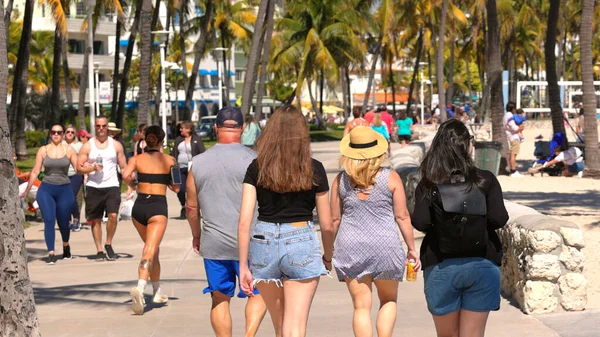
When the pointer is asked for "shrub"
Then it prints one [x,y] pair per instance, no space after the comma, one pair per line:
[35,138]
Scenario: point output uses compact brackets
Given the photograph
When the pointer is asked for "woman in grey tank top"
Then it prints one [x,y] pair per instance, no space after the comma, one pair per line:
[55,196]
[368,205]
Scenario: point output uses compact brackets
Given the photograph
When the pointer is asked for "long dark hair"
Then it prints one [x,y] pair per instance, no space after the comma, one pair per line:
[449,155]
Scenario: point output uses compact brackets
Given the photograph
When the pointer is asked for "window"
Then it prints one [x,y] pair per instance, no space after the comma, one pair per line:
[98,48]
[76,46]
[80,7]
[239,75]
[214,80]
[204,81]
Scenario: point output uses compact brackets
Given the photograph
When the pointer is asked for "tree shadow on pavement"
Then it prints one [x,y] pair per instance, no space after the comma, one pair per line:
[95,294]
[549,203]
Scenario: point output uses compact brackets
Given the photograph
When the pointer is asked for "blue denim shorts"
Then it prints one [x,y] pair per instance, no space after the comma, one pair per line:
[471,283]
[576,168]
[286,250]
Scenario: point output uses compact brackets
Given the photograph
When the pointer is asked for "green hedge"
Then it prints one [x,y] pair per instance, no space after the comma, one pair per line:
[35,138]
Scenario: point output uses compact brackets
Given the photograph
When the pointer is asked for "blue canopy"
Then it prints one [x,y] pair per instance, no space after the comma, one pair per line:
[204,72]
[231,73]
[214,73]
[124,43]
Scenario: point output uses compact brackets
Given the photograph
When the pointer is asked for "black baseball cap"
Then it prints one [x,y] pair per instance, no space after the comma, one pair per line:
[231,114]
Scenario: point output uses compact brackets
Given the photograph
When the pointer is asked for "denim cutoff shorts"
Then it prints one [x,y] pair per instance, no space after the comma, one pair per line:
[285,250]
[471,283]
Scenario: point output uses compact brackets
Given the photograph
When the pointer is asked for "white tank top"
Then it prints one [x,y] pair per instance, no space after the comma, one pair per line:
[108,176]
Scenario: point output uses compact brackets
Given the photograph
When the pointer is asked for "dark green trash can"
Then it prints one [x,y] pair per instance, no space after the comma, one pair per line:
[487,156]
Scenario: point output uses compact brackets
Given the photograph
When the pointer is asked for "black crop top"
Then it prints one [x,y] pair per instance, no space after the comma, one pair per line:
[153,178]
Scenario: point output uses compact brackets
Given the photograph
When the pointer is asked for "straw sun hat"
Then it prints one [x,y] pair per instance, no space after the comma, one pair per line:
[363,143]
[113,127]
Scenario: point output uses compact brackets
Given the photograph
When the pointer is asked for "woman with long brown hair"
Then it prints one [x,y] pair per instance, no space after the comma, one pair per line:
[150,211]
[283,248]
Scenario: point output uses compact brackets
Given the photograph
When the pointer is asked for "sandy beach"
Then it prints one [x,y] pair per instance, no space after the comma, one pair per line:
[572,199]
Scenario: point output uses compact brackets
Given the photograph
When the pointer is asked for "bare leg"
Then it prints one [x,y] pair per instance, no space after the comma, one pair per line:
[152,236]
[513,162]
[447,325]
[255,312]
[97,234]
[274,300]
[472,324]
[362,300]
[220,317]
[386,318]
[111,228]
[298,297]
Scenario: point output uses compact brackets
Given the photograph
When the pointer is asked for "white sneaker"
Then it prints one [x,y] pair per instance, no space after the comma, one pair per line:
[580,174]
[137,301]
[161,298]
[516,175]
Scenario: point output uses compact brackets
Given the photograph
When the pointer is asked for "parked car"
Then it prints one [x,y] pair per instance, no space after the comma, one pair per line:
[206,127]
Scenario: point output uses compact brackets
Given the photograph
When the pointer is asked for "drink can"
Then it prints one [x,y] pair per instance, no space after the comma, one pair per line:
[411,273]
[99,160]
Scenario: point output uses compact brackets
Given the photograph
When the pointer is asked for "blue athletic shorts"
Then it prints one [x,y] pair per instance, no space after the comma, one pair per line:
[471,283]
[222,276]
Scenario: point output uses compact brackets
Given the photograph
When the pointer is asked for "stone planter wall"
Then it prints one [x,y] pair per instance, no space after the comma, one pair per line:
[543,263]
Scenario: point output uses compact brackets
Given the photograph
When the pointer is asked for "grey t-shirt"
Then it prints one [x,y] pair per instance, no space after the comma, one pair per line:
[219,174]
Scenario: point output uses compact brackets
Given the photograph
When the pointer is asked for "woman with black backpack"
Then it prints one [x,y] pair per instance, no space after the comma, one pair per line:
[459,207]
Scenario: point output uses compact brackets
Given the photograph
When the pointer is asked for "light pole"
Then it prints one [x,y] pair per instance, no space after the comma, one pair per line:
[162,38]
[422,94]
[90,48]
[97,91]
[175,66]
[218,54]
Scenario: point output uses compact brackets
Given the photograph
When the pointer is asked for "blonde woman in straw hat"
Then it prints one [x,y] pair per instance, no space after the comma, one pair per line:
[368,206]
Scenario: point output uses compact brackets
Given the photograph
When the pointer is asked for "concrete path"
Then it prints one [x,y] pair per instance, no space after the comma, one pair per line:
[82,297]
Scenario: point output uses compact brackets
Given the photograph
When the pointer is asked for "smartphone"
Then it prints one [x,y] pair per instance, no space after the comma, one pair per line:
[175,175]
[260,237]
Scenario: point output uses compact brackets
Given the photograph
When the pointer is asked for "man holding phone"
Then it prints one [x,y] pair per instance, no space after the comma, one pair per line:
[215,185]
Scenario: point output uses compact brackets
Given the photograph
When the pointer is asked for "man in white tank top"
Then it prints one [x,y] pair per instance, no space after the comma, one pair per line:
[99,158]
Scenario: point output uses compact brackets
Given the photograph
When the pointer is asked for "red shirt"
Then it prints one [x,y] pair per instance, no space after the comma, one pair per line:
[385,117]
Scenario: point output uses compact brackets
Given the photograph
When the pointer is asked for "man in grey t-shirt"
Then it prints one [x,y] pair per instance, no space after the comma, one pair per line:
[214,185]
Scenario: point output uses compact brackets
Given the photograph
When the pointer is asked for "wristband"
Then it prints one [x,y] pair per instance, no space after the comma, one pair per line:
[328,261]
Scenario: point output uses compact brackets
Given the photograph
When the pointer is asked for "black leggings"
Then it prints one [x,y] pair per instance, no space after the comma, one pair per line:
[148,205]
[181,193]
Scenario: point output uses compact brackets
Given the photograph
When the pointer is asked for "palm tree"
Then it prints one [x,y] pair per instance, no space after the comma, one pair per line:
[19,316]
[494,70]
[262,82]
[145,62]
[19,96]
[439,61]
[556,111]
[254,56]
[592,155]
[127,65]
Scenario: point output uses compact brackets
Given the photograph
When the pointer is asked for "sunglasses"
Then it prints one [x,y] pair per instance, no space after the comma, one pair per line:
[56,132]
[100,126]
[70,132]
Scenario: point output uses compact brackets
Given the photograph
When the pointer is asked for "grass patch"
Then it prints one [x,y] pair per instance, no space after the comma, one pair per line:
[27,165]
[326,135]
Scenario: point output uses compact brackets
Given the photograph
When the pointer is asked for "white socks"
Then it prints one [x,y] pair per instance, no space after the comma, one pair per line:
[141,285]
[156,286]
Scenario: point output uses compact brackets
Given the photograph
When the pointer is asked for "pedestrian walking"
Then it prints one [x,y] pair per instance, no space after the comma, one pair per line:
[356,121]
[284,251]
[75,178]
[251,131]
[99,159]
[215,188]
[459,208]
[368,205]
[54,195]
[188,145]
[140,144]
[405,129]
[150,211]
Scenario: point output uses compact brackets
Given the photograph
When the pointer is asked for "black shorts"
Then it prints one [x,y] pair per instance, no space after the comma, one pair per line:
[98,200]
[148,205]
[404,138]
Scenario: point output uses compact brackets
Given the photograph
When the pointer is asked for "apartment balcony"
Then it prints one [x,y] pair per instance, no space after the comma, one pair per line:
[106,27]
[106,63]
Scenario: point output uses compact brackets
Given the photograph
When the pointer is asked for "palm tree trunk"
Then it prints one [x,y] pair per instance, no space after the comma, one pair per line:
[439,61]
[415,70]
[344,91]
[19,98]
[313,101]
[55,107]
[321,92]
[7,14]
[114,106]
[450,92]
[226,67]
[198,52]
[127,65]
[83,83]
[145,62]
[182,48]
[347,74]
[495,81]
[556,111]
[254,57]
[68,89]
[371,76]
[468,70]
[592,154]
[262,82]
[18,313]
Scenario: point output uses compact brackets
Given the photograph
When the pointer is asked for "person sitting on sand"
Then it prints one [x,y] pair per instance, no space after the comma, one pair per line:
[572,158]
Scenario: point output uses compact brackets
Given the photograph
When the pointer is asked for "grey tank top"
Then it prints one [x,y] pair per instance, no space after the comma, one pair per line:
[56,170]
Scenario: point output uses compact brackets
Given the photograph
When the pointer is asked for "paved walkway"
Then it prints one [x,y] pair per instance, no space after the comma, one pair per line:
[82,297]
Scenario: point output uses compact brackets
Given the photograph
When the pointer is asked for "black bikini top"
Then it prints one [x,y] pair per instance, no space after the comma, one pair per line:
[153,178]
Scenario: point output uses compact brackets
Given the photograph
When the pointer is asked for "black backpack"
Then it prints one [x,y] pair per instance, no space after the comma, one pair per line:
[459,217]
